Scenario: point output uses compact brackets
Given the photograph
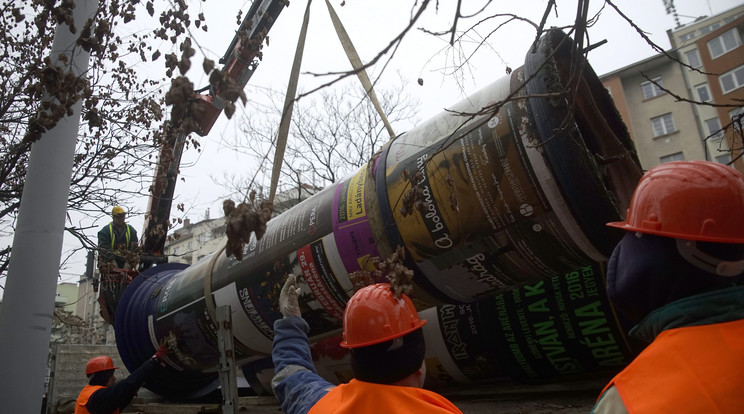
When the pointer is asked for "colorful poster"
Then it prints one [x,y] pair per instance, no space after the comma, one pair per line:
[351,227]
[556,327]
[481,224]
[320,279]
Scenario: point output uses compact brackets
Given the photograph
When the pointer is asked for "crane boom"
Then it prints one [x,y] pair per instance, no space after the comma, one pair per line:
[239,63]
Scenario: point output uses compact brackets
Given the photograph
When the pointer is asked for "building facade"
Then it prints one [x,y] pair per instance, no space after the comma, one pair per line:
[67,296]
[193,242]
[98,331]
[684,104]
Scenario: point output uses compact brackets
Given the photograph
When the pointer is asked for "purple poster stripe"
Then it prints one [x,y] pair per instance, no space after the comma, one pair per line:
[351,229]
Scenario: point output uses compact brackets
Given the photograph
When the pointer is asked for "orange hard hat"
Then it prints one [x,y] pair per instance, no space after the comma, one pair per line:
[692,200]
[99,363]
[374,315]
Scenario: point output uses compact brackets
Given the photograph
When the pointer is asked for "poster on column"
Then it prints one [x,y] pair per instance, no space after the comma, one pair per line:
[196,333]
[468,342]
[351,227]
[557,327]
[483,224]
[256,280]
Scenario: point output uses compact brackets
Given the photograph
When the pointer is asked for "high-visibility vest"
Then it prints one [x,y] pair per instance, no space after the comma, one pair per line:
[113,236]
[83,398]
[359,397]
[695,369]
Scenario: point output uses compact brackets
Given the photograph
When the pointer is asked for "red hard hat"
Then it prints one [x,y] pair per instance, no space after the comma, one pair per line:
[99,363]
[374,315]
[692,200]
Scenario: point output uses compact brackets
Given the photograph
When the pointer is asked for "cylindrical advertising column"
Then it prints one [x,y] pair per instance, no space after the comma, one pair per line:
[518,192]
[559,328]
[510,187]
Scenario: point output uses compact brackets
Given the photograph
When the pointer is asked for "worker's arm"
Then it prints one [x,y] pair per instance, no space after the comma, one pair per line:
[296,384]
[116,397]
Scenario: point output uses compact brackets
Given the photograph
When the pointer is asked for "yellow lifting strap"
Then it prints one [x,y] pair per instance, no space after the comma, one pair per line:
[289,98]
[356,63]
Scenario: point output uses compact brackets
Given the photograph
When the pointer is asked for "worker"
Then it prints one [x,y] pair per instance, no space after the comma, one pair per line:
[116,237]
[386,342]
[678,275]
[103,395]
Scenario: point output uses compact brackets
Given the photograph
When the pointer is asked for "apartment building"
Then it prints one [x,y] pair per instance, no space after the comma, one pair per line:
[66,297]
[193,242]
[703,73]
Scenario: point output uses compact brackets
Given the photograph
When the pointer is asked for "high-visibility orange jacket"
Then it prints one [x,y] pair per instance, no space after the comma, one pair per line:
[359,397]
[115,398]
[687,369]
[83,398]
[300,390]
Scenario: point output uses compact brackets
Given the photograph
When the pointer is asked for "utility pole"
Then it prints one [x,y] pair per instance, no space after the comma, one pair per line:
[28,303]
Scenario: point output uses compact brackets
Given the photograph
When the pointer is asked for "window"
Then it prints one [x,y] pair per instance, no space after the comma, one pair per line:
[703,92]
[686,37]
[714,128]
[693,58]
[724,43]
[732,79]
[650,89]
[663,125]
[677,156]
[708,29]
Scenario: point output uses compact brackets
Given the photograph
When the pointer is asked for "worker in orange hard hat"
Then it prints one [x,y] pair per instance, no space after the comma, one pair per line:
[678,275]
[386,342]
[115,238]
[103,395]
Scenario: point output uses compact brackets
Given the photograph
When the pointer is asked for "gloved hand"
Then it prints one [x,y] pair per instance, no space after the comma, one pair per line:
[289,304]
[162,351]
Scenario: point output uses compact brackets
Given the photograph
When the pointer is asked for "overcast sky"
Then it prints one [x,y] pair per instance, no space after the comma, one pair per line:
[371,26]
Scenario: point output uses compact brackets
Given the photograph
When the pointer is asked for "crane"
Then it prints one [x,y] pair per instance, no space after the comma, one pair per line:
[240,61]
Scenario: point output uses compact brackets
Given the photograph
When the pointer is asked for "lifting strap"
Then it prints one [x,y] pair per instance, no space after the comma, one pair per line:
[289,98]
[356,63]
